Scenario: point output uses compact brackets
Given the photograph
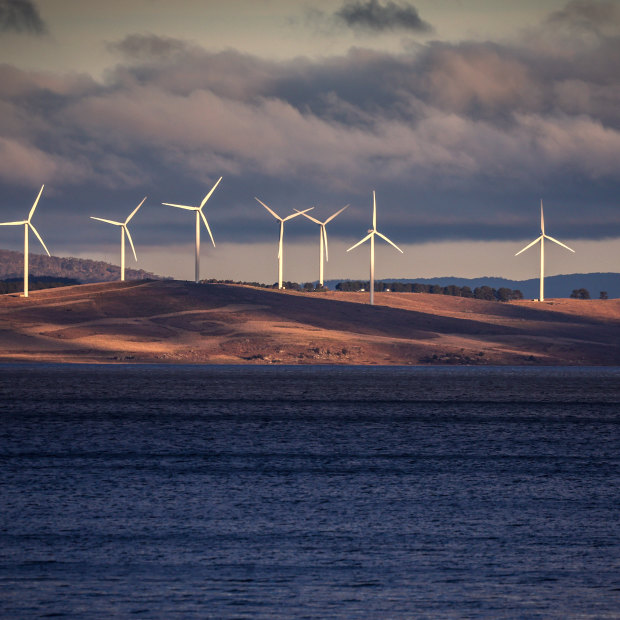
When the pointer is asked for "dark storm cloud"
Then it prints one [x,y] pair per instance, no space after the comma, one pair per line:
[20,16]
[461,140]
[376,16]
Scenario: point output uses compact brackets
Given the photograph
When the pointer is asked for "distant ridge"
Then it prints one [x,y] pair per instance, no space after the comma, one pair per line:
[81,269]
[555,286]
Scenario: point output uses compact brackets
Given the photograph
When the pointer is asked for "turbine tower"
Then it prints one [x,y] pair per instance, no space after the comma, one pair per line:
[371,235]
[28,224]
[542,238]
[280,248]
[199,214]
[124,231]
[323,238]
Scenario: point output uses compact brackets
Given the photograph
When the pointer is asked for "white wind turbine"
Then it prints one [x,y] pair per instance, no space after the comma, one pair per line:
[199,214]
[280,247]
[542,238]
[28,224]
[323,238]
[124,231]
[371,235]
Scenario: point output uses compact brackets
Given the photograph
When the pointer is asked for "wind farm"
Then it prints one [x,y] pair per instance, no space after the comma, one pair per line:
[415,419]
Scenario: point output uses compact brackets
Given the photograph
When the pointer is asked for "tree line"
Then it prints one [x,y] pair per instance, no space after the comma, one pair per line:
[480,292]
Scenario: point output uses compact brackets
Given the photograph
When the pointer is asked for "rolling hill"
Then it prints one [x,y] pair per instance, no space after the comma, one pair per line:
[181,322]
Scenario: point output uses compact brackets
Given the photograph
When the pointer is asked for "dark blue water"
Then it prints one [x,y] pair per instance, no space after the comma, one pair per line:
[314,492]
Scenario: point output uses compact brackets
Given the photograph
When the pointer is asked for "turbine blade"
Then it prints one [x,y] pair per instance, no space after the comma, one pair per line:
[368,236]
[134,211]
[313,219]
[527,247]
[331,217]
[374,210]
[559,243]
[325,241]
[204,219]
[36,202]
[268,209]
[130,242]
[92,217]
[290,217]
[390,242]
[34,230]
[542,219]
[204,200]
[13,223]
[169,204]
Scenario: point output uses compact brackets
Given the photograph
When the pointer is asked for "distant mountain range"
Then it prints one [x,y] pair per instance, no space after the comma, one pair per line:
[81,269]
[555,286]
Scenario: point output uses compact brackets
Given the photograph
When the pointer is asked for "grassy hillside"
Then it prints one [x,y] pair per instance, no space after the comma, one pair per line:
[181,322]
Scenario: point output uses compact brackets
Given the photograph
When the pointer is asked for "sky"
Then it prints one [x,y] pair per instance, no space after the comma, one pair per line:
[461,114]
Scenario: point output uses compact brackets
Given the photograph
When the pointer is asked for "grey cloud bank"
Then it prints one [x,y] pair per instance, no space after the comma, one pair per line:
[459,140]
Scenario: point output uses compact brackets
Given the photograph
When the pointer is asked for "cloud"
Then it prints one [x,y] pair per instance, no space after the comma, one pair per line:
[459,140]
[21,16]
[372,15]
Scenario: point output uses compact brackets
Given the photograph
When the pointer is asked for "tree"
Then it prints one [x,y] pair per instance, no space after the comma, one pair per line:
[504,294]
[484,292]
[604,295]
[580,293]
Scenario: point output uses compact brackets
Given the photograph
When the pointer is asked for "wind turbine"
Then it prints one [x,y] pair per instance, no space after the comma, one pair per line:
[542,238]
[371,235]
[28,224]
[323,238]
[199,214]
[124,231]
[280,248]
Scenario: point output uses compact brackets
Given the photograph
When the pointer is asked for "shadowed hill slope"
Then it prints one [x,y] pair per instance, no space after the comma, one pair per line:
[170,321]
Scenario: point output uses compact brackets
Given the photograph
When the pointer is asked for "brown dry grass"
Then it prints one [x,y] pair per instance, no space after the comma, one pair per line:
[179,322]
